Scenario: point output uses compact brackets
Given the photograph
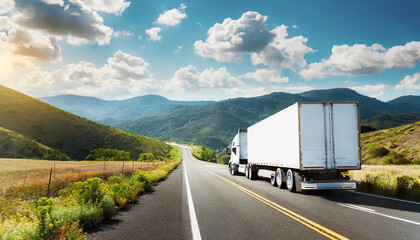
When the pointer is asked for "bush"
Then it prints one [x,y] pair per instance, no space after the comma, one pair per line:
[394,158]
[106,154]
[89,191]
[224,159]
[108,206]
[90,216]
[71,231]
[141,176]
[146,157]
[42,209]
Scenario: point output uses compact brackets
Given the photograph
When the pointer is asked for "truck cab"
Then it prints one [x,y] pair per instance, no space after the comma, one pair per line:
[238,152]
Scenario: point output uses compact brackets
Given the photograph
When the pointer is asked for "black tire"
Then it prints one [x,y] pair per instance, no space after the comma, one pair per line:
[232,169]
[273,179]
[247,171]
[252,173]
[290,180]
[280,178]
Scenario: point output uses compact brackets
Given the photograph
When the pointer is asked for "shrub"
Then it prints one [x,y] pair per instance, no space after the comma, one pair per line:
[122,193]
[106,154]
[42,209]
[394,158]
[108,206]
[71,231]
[146,157]
[89,191]
[141,176]
[90,216]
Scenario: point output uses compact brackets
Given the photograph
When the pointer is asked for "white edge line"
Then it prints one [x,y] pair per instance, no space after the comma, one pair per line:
[380,214]
[193,217]
[390,198]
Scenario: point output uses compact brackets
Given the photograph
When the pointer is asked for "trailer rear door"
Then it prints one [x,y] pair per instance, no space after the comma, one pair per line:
[329,134]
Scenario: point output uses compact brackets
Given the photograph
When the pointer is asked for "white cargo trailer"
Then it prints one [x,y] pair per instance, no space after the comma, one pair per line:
[306,146]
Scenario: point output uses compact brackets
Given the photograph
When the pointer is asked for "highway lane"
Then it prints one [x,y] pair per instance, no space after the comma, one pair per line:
[233,207]
[226,212]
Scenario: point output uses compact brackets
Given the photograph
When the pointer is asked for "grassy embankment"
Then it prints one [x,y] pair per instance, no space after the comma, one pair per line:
[78,206]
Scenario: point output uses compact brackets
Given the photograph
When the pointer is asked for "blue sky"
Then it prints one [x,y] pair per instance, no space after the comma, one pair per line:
[209,50]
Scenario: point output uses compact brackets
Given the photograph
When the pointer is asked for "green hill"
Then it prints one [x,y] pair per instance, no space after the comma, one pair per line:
[70,134]
[389,120]
[14,145]
[214,124]
[398,145]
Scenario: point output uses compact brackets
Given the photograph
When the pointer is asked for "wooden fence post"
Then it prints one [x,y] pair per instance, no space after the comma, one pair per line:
[49,183]
[103,173]
[122,171]
[132,169]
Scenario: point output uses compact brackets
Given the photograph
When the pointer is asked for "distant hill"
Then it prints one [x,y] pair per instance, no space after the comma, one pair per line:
[14,145]
[398,145]
[389,120]
[64,131]
[214,124]
[406,103]
[109,112]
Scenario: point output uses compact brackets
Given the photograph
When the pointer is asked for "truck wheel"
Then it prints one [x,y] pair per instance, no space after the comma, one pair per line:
[232,169]
[247,171]
[273,179]
[279,178]
[290,180]
[252,172]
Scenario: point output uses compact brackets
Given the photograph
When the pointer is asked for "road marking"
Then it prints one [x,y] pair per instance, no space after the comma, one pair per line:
[312,225]
[368,210]
[193,217]
[390,198]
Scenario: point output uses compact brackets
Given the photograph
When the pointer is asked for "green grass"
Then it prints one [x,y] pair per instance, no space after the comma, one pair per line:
[394,146]
[81,206]
[401,181]
[72,135]
[14,145]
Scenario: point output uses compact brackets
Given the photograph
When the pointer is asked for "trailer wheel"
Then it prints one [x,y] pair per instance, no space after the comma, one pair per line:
[290,180]
[247,171]
[273,179]
[279,178]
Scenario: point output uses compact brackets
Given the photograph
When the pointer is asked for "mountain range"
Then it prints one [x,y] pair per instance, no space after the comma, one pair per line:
[109,112]
[214,124]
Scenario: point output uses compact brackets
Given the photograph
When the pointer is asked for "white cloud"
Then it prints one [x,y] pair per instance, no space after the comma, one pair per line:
[6,6]
[116,7]
[122,76]
[189,77]
[172,17]
[283,52]
[34,45]
[259,91]
[361,59]
[266,76]
[75,21]
[249,34]
[371,90]
[154,33]
[410,83]
[139,37]
[231,38]
[198,23]
[295,26]
[178,50]
[122,33]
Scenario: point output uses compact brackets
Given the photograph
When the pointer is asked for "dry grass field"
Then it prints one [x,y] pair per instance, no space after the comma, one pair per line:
[386,171]
[29,178]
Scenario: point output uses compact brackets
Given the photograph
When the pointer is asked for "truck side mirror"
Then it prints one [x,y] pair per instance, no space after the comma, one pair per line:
[228,150]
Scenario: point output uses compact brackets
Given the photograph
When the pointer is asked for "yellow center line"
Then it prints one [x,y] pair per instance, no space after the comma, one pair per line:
[312,225]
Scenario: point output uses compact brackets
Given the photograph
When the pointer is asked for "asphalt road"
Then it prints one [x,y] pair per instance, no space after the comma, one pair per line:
[202,200]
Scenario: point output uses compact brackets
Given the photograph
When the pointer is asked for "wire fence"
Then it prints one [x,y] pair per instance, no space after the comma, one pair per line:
[38,178]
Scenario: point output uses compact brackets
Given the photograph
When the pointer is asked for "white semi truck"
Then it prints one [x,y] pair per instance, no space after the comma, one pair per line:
[307,146]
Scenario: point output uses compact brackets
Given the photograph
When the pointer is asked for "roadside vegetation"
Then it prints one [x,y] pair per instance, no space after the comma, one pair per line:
[395,181]
[394,146]
[77,207]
